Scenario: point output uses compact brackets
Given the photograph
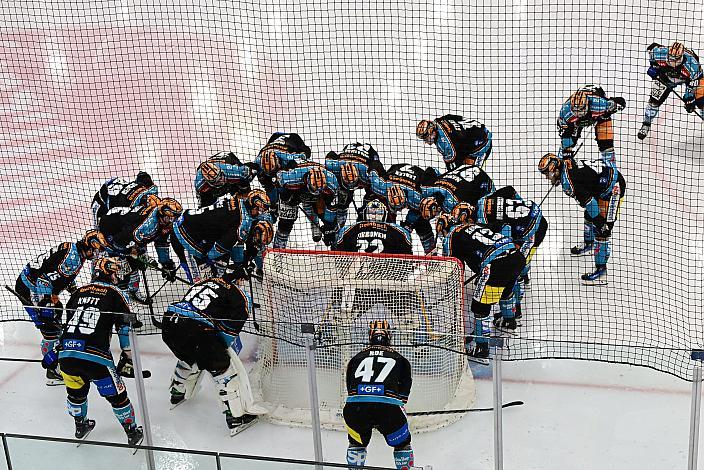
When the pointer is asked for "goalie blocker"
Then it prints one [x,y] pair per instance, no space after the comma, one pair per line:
[200,331]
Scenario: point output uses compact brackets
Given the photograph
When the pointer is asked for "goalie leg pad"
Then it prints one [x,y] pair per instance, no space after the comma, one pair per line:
[229,391]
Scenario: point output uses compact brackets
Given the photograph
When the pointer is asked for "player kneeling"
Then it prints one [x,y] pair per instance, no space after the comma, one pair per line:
[92,313]
[199,330]
[378,384]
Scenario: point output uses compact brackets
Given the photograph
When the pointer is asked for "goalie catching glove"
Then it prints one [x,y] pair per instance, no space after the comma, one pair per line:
[125,368]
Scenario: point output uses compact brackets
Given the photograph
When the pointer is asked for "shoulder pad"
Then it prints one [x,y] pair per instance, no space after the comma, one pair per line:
[653,46]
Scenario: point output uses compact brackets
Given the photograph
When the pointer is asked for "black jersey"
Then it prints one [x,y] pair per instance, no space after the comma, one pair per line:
[465,136]
[505,207]
[477,246]
[409,175]
[466,183]
[51,272]
[126,228]
[215,303]
[226,223]
[378,374]
[375,237]
[582,181]
[93,312]
[118,192]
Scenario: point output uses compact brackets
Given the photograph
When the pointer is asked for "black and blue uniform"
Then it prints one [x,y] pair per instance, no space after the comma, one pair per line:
[119,192]
[466,183]
[462,141]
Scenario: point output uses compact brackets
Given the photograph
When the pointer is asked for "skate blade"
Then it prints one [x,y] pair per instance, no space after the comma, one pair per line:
[136,444]
[598,282]
[84,438]
[478,360]
[177,404]
[54,382]
[239,429]
[507,331]
[586,253]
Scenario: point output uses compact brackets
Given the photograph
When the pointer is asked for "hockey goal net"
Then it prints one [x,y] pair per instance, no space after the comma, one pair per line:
[339,293]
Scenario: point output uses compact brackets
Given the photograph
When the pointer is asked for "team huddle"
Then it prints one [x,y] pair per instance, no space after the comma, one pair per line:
[246,207]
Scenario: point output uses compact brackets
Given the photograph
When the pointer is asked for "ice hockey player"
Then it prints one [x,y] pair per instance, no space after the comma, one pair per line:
[39,285]
[221,174]
[350,167]
[497,261]
[601,205]
[200,330]
[466,183]
[315,189]
[92,312]
[506,212]
[670,67]
[128,231]
[378,384]
[585,107]
[374,234]
[402,186]
[203,236]
[119,192]
[460,141]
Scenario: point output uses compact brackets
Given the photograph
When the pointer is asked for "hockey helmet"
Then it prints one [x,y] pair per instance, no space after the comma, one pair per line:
[315,180]
[110,269]
[169,210]
[443,224]
[349,175]
[270,162]
[375,211]
[212,173]
[463,213]
[675,54]
[257,202]
[92,243]
[379,333]
[429,208]
[262,233]
[396,197]
[579,103]
[550,166]
[427,131]
[144,179]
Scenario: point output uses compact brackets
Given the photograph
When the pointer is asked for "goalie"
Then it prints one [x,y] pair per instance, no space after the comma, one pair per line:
[200,331]
[375,234]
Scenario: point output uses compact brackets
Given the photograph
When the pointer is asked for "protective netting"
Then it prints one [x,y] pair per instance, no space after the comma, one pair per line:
[93,90]
[422,300]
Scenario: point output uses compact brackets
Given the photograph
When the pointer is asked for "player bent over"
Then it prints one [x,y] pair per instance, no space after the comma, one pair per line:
[119,192]
[601,205]
[378,384]
[200,330]
[39,285]
[92,313]
[670,67]
[460,141]
[221,174]
[498,262]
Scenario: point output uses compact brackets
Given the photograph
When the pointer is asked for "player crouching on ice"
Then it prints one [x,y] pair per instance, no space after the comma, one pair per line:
[601,203]
[200,330]
[378,384]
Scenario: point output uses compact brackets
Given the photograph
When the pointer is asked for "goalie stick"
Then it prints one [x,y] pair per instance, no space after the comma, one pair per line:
[469,410]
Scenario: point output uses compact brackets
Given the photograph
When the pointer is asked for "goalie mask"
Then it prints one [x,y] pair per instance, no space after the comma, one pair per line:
[375,211]
[379,333]
[212,173]
[169,210]
[427,131]
[112,270]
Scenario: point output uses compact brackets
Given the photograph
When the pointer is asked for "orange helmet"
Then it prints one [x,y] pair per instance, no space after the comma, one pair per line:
[549,163]
[269,162]
[429,208]
[443,224]
[262,233]
[169,209]
[110,269]
[315,180]
[675,54]
[93,242]
[259,200]
[579,102]
[427,131]
[463,213]
[396,197]
[212,173]
[349,174]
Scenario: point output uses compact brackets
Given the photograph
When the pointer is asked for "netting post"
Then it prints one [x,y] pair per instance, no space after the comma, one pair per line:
[498,343]
[142,398]
[698,357]
[308,330]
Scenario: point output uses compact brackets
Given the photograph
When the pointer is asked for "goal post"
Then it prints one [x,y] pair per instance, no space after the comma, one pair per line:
[340,293]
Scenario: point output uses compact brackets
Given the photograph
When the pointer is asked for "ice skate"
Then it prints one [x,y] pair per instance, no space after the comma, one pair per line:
[596,278]
[583,249]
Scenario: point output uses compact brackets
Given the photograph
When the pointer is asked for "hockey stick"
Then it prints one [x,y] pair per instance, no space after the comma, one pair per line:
[153,265]
[254,308]
[683,101]
[471,279]
[470,410]
[150,303]
[21,299]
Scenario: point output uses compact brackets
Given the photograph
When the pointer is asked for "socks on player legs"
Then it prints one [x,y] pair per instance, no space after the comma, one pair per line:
[356,456]
[403,459]
[602,251]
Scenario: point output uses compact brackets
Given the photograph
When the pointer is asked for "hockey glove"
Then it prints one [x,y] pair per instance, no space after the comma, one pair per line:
[253,170]
[125,368]
[169,270]
[72,287]
[689,104]
[619,103]
[329,232]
